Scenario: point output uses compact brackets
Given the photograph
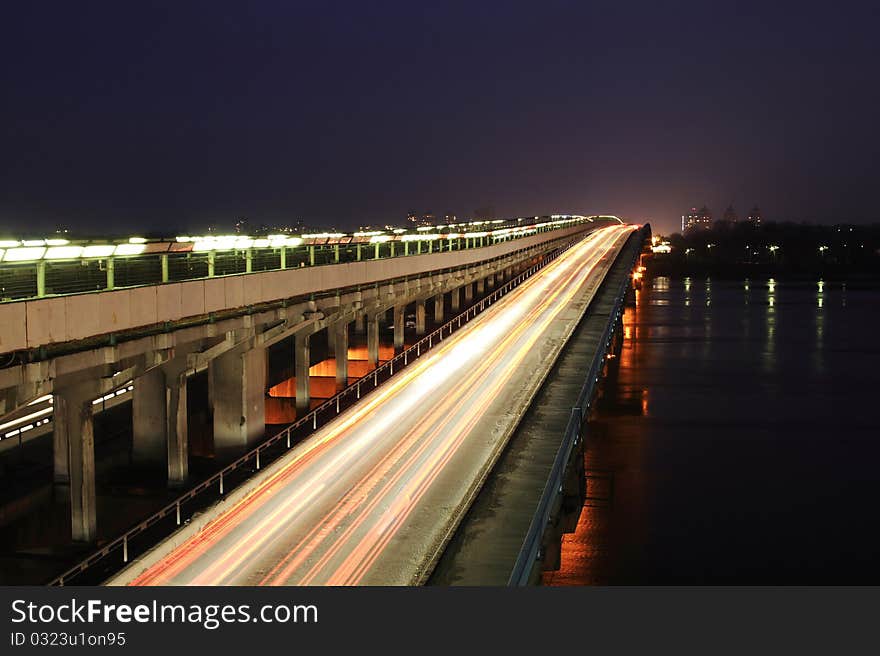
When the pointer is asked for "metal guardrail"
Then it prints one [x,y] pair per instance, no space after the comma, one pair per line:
[530,552]
[317,417]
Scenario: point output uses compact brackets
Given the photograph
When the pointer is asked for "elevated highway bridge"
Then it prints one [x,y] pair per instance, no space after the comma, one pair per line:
[340,328]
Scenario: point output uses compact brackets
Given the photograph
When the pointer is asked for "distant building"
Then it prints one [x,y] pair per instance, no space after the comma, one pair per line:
[697,219]
[414,219]
[755,216]
[730,214]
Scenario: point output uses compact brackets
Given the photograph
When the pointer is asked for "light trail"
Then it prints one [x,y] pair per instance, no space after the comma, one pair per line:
[372,493]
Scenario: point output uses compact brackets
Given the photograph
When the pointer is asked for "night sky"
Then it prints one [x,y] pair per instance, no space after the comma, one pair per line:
[143,116]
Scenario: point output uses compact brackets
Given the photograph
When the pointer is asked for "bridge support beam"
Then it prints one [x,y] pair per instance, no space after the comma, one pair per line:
[420,317]
[490,281]
[481,286]
[176,429]
[302,364]
[331,342]
[149,415]
[455,296]
[239,400]
[341,339]
[74,442]
[438,308]
[372,340]
[399,318]
[469,292]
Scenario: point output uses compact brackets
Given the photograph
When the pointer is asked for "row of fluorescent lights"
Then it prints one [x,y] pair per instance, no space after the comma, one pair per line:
[30,250]
[39,417]
[238,242]
[62,249]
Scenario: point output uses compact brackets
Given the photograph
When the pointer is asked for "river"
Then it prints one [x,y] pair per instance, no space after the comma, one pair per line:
[737,441]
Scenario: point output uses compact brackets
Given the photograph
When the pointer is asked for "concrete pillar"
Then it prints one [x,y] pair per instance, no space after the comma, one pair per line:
[373,340]
[61,471]
[398,327]
[360,324]
[481,286]
[73,428]
[420,317]
[239,401]
[469,292]
[490,281]
[159,421]
[302,356]
[331,342]
[211,389]
[148,412]
[341,331]
[176,428]
[438,308]
[455,295]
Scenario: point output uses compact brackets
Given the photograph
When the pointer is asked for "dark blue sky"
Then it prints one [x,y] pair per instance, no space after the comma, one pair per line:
[136,116]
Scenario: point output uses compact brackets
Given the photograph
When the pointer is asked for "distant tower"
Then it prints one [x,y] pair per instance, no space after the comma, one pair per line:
[697,218]
[730,214]
[755,216]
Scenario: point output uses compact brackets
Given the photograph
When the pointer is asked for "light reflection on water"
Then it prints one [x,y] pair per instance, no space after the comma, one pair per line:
[738,437]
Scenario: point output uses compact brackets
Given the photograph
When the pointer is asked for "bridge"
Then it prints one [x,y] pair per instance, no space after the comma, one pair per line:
[335,385]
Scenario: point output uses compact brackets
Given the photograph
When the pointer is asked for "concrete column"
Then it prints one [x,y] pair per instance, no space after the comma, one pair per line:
[239,400]
[490,281]
[341,331]
[455,295]
[398,327]
[73,428]
[148,412]
[331,342]
[438,308]
[60,456]
[360,324]
[469,292]
[302,365]
[481,286]
[372,339]
[176,428]
[420,317]
[211,389]
[159,421]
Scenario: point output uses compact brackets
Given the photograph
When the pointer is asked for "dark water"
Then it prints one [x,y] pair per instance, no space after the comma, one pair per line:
[740,441]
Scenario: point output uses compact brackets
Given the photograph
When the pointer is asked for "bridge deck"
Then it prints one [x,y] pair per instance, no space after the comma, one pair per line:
[372,497]
[488,540]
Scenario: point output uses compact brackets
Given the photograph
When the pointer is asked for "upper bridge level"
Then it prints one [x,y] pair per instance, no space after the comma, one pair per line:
[187,306]
[54,291]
